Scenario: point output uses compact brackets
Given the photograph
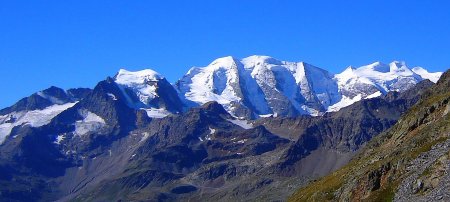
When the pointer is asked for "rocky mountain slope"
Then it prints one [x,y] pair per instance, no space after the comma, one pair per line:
[408,162]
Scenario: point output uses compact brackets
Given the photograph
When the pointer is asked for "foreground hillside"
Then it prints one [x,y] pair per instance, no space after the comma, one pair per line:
[409,162]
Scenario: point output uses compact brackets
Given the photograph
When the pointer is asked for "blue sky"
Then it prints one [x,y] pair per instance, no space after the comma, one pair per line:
[78,43]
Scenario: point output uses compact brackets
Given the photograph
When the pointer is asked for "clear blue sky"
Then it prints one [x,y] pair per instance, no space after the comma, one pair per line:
[78,43]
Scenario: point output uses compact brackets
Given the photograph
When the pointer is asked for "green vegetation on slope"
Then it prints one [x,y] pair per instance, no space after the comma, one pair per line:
[377,172]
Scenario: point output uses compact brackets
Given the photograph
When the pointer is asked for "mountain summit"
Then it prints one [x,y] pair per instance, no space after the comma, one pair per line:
[148,90]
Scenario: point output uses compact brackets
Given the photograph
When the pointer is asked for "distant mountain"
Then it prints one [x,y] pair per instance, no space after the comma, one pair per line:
[259,86]
[408,162]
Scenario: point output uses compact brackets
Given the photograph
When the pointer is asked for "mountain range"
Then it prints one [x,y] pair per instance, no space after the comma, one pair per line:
[250,129]
[259,86]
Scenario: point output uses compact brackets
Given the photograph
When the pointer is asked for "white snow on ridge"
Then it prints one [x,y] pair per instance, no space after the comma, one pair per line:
[374,95]
[395,76]
[434,77]
[376,74]
[35,118]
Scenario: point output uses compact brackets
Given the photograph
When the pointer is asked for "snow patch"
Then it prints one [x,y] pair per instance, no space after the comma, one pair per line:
[374,95]
[242,141]
[90,123]
[242,123]
[35,118]
[112,96]
[156,113]
[212,131]
[345,101]
[145,136]
[266,115]
[59,138]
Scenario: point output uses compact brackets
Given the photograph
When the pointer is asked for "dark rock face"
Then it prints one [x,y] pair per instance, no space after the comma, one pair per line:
[78,93]
[29,103]
[46,98]
[168,97]
[113,111]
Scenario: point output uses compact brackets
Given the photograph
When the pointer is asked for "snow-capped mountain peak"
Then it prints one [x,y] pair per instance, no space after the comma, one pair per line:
[375,67]
[376,79]
[142,83]
[213,82]
[223,62]
[256,60]
[377,71]
[148,90]
[434,77]
[126,77]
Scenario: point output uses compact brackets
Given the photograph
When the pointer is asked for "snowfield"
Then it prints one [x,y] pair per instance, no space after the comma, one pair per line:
[34,118]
